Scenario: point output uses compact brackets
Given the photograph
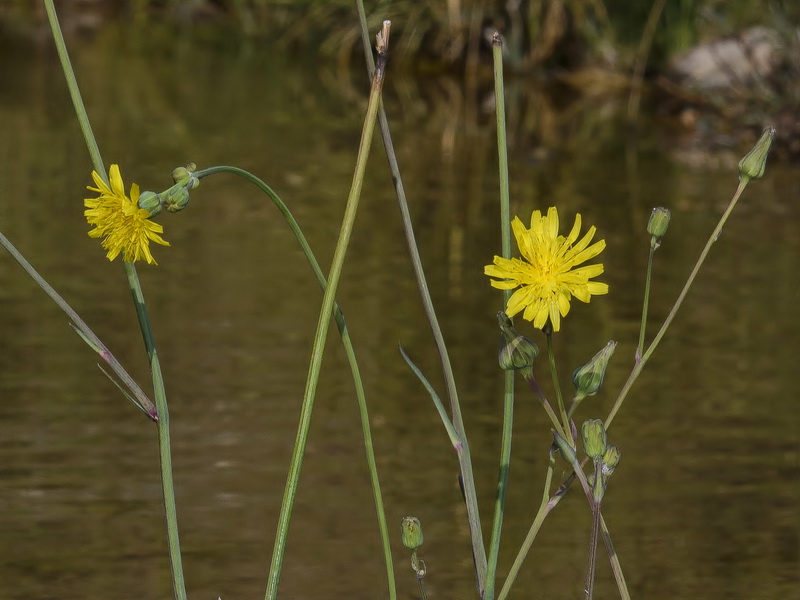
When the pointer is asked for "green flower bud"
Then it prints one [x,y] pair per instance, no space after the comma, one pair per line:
[567,451]
[516,352]
[658,223]
[151,202]
[611,459]
[175,198]
[411,532]
[753,164]
[594,438]
[588,379]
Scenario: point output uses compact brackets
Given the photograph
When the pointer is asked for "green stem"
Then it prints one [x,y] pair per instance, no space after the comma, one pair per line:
[647,281]
[551,359]
[164,444]
[508,394]
[464,457]
[176,565]
[592,562]
[547,408]
[349,351]
[637,369]
[548,504]
[323,323]
[616,567]
[74,90]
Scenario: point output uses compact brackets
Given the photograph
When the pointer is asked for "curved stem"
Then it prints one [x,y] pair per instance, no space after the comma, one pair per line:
[347,343]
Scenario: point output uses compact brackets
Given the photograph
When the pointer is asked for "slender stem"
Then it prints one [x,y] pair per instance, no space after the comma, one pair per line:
[85,332]
[616,567]
[548,503]
[592,562]
[547,408]
[647,281]
[551,359]
[349,352]
[74,90]
[323,323]
[164,445]
[464,457]
[176,564]
[637,369]
[508,394]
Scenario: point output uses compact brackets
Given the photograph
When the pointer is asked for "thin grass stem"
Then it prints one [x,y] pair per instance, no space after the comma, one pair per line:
[646,303]
[323,323]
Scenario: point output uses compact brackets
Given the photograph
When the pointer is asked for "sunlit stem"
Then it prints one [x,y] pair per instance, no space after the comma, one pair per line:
[464,457]
[551,359]
[176,564]
[648,279]
[323,323]
[349,352]
[616,567]
[637,369]
[508,393]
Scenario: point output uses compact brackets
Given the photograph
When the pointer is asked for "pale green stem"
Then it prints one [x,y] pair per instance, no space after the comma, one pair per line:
[321,335]
[637,369]
[349,351]
[647,281]
[464,457]
[554,421]
[176,564]
[508,394]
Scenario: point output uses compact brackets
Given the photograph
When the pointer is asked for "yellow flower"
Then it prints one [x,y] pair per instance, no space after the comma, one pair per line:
[547,277]
[124,226]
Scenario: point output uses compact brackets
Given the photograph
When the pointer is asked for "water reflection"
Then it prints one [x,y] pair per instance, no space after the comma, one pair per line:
[703,503]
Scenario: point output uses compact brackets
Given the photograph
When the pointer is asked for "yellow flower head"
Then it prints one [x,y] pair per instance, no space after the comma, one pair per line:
[118,219]
[547,278]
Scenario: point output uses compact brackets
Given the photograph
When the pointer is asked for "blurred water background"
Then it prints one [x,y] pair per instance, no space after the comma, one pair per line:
[704,503]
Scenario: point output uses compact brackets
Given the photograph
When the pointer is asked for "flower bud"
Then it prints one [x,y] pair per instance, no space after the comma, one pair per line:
[411,532]
[658,223]
[610,459]
[151,202]
[594,438]
[516,351]
[588,379]
[175,198]
[185,176]
[567,451]
[753,164]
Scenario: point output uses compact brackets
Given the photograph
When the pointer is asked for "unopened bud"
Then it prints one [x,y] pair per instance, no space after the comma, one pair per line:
[516,351]
[151,202]
[411,533]
[588,379]
[658,223]
[611,459]
[594,438]
[175,198]
[753,164]
[567,451]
